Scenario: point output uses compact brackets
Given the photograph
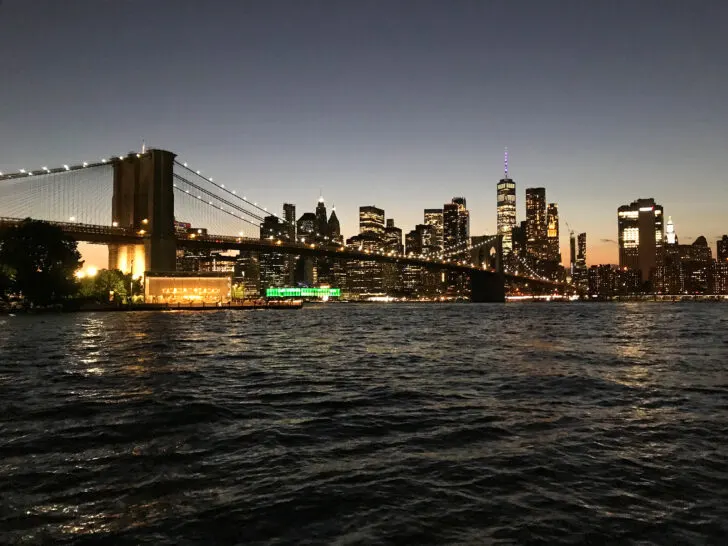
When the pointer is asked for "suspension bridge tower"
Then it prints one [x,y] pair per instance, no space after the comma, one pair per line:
[143,201]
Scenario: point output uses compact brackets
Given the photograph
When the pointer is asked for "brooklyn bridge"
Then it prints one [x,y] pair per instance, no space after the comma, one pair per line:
[134,204]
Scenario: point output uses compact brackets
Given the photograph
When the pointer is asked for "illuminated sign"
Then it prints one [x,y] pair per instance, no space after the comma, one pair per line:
[303,293]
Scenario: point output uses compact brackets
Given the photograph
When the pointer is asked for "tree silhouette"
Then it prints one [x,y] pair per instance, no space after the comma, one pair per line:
[107,281]
[43,260]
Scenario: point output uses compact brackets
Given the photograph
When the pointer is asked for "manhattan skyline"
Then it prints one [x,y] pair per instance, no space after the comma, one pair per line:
[402,105]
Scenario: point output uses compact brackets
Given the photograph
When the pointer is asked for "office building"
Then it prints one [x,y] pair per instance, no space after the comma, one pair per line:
[687,269]
[334,227]
[519,240]
[641,232]
[273,271]
[722,245]
[536,232]
[506,208]
[433,217]
[365,277]
[392,238]
[602,281]
[371,220]
[306,227]
[552,233]
[580,275]
[670,235]
[572,252]
[289,215]
[322,224]
[456,224]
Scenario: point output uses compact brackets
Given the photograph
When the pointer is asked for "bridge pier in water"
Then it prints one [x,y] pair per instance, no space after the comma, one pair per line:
[143,201]
[487,287]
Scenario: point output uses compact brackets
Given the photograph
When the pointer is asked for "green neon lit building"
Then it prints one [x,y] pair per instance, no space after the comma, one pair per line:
[303,292]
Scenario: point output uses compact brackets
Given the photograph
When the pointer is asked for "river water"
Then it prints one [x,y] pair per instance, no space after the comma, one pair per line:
[360,424]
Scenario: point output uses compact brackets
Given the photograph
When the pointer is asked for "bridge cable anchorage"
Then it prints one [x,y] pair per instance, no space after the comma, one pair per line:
[229,192]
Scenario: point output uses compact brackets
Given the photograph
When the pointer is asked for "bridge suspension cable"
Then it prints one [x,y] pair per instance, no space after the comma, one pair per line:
[231,194]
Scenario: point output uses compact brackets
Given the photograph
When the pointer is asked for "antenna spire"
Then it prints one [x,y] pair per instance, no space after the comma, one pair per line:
[506,163]
[144,146]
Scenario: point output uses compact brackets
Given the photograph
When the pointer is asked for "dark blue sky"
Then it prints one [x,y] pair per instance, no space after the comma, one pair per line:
[402,104]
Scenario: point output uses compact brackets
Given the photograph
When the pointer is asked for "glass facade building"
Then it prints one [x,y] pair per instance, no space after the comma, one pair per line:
[536,232]
[433,217]
[371,220]
[506,212]
[552,232]
[641,234]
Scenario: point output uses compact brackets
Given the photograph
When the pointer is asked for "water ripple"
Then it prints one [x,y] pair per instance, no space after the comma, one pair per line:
[359,424]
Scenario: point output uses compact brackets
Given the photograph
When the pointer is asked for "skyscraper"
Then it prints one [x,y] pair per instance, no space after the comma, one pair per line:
[552,232]
[371,220]
[723,249]
[670,235]
[392,238]
[433,217]
[641,233]
[536,239]
[272,264]
[456,224]
[334,227]
[506,208]
[289,215]
[572,252]
[580,274]
[322,224]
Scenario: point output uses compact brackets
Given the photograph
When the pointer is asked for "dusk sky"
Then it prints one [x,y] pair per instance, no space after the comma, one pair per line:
[400,104]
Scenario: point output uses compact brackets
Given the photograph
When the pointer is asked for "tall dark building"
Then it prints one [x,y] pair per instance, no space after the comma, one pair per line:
[456,224]
[552,232]
[687,269]
[371,220]
[289,215]
[572,253]
[723,249]
[641,234]
[433,217]
[334,227]
[365,277]
[272,264]
[306,227]
[392,240]
[519,239]
[580,274]
[322,224]
[536,233]
[506,208]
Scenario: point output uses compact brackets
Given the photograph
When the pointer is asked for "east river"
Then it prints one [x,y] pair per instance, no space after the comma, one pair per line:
[360,424]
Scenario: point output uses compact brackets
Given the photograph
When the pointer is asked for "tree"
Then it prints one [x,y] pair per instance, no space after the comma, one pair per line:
[43,259]
[100,286]
[7,278]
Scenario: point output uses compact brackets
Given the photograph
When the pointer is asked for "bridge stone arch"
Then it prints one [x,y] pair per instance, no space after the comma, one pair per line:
[487,250]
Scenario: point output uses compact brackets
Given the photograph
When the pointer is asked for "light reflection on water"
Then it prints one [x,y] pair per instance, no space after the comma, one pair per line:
[410,424]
